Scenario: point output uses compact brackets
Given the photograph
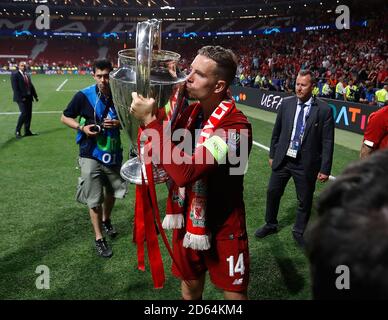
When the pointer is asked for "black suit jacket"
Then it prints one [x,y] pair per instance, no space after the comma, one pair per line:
[19,87]
[318,141]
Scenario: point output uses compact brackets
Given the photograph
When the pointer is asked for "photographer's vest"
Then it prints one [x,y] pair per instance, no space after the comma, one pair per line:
[108,144]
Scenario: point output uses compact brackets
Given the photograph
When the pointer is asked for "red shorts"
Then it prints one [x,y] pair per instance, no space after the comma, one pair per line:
[227,262]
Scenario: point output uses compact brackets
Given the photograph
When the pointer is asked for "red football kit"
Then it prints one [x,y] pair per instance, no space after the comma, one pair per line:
[227,260]
[376,132]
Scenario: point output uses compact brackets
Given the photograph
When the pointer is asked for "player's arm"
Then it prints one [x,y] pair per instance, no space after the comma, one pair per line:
[183,168]
[373,134]
[365,151]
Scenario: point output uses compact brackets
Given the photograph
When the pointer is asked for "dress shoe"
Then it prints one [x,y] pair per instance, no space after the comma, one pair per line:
[18,135]
[298,237]
[30,134]
[265,231]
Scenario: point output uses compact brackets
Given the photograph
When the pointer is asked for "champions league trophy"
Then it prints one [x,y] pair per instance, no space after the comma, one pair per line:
[153,73]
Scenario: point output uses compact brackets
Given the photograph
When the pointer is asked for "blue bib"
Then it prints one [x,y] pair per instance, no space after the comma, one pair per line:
[108,144]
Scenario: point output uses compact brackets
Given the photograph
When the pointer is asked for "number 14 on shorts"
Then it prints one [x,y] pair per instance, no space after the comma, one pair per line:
[238,267]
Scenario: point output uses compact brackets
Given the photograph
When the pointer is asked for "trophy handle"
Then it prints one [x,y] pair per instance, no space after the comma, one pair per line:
[148,34]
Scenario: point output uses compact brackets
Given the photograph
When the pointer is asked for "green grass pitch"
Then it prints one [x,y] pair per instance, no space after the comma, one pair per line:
[42,224]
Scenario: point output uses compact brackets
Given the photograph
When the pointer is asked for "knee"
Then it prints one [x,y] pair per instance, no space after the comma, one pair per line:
[190,296]
[191,290]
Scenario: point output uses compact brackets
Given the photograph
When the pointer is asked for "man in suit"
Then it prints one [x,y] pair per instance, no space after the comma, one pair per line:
[302,148]
[23,93]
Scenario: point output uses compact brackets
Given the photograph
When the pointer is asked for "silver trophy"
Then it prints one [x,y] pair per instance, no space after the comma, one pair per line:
[153,73]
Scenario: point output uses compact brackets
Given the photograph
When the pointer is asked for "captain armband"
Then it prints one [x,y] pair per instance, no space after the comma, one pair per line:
[217,147]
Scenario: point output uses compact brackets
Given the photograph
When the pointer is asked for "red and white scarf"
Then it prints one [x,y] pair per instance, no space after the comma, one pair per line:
[197,235]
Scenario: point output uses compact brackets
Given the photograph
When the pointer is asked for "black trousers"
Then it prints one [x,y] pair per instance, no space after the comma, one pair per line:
[305,187]
[25,116]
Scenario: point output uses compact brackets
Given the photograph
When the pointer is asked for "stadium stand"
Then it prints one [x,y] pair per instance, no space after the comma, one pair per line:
[268,62]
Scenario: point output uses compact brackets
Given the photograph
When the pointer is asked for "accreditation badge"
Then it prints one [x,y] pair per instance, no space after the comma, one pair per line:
[293,149]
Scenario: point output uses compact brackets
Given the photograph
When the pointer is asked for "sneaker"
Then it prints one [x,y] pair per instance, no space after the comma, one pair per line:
[109,229]
[103,249]
[18,135]
[265,231]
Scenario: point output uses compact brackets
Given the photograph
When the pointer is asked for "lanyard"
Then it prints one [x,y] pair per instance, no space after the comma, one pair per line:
[305,117]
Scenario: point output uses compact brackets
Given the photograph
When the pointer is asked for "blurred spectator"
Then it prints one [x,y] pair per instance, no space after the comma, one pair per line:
[350,91]
[367,94]
[382,76]
[326,90]
[382,96]
[347,244]
[340,89]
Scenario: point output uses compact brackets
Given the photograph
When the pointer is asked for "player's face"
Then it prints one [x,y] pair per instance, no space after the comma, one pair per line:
[202,80]
[304,87]
[102,79]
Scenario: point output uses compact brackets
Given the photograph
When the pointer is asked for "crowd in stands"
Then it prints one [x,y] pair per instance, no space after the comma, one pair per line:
[349,64]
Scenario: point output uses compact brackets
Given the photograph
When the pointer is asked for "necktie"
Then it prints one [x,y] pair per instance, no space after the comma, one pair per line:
[26,80]
[299,123]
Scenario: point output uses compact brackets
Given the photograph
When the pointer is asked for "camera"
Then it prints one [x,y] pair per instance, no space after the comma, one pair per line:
[96,128]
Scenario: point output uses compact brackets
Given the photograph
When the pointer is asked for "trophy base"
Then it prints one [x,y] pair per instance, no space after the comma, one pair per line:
[131,171]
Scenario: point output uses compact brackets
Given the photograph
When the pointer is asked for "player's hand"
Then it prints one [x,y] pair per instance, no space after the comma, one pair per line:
[270,162]
[142,108]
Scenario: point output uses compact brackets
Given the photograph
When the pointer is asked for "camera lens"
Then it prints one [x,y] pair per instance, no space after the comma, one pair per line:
[95,128]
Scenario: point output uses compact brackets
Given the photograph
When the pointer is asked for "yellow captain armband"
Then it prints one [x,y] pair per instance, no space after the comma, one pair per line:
[167,107]
[217,147]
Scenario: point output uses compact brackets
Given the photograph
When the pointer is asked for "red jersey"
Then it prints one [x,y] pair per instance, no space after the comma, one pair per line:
[225,212]
[227,260]
[376,132]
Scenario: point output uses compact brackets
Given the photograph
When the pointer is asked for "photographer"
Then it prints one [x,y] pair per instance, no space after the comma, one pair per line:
[100,156]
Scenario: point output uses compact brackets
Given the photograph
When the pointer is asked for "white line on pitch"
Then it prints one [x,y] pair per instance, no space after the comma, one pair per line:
[61,85]
[261,146]
[34,112]
[267,149]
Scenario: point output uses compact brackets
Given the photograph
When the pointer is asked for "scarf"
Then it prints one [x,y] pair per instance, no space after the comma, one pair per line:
[147,223]
[197,235]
